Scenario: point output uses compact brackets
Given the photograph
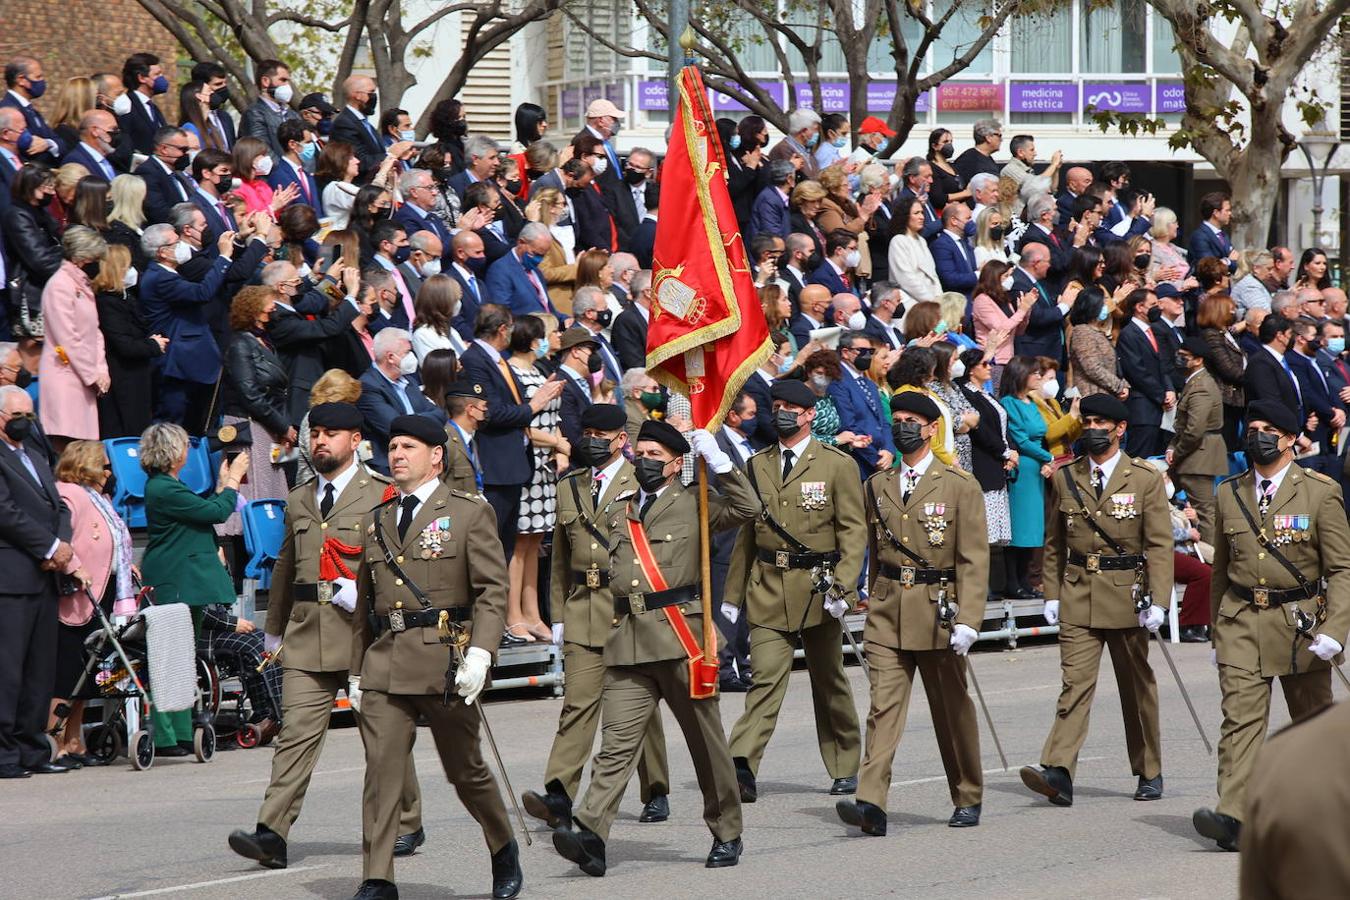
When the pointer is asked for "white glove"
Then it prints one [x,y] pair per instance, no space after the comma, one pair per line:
[1324,648]
[1051,612]
[705,445]
[963,636]
[731,612]
[345,596]
[558,633]
[354,692]
[270,643]
[472,673]
[836,607]
[1152,618]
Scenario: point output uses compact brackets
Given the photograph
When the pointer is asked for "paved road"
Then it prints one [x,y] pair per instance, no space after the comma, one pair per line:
[115,832]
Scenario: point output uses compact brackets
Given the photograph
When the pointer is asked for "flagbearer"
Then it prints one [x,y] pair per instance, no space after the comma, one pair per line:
[1108,552]
[813,520]
[313,595]
[929,564]
[655,641]
[587,497]
[1278,598]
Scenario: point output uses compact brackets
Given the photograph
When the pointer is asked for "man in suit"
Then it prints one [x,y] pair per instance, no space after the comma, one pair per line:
[803,125]
[503,447]
[218,119]
[264,116]
[256,236]
[859,404]
[841,257]
[515,280]
[795,268]
[1041,229]
[630,326]
[34,545]
[98,139]
[166,184]
[390,389]
[1331,359]
[481,156]
[424,260]
[144,79]
[391,243]
[300,340]
[1317,398]
[643,240]
[758,387]
[627,200]
[497,239]
[602,121]
[1044,335]
[468,264]
[11,160]
[419,198]
[111,96]
[1077,180]
[952,254]
[352,125]
[576,356]
[1210,239]
[917,176]
[733,659]
[815,306]
[769,212]
[212,170]
[882,324]
[591,312]
[297,143]
[622,266]
[1148,369]
[24,83]
[1197,454]
[1268,375]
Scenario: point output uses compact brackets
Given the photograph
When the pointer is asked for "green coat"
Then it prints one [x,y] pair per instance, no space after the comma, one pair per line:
[180,559]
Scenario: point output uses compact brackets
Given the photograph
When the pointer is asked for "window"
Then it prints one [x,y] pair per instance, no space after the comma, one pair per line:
[1113,37]
[1166,60]
[1043,42]
[961,31]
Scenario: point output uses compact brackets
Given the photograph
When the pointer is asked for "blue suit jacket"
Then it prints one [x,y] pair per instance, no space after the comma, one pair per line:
[502,448]
[955,263]
[179,309]
[38,126]
[508,282]
[80,156]
[769,214]
[283,175]
[826,275]
[1204,242]
[932,222]
[379,405]
[643,241]
[859,407]
[575,401]
[1316,398]
[413,222]
[214,223]
[468,303]
[764,433]
[161,191]
[459,183]
[1045,323]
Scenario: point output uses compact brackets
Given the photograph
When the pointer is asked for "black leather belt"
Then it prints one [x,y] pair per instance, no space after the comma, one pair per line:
[910,575]
[639,602]
[402,619]
[320,592]
[783,559]
[593,578]
[1104,562]
[1264,598]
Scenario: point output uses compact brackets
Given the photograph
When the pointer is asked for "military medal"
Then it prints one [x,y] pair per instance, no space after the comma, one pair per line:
[813,495]
[1122,506]
[934,523]
[432,537]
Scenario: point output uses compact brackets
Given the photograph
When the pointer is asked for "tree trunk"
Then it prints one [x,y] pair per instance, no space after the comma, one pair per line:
[1253,176]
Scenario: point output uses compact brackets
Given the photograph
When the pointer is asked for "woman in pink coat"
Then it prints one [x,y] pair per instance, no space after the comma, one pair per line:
[252,164]
[72,371]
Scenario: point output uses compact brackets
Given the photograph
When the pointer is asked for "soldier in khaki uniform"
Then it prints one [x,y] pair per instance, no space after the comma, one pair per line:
[1257,602]
[1197,454]
[1093,580]
[467,405]
[657,623]
[936,513]
[313,595]
[813,493]
[588,497]
[441,568]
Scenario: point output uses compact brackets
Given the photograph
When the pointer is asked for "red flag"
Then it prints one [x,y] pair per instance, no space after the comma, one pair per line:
[707,332]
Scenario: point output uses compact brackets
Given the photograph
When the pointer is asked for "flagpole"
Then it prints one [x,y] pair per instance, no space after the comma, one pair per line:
[705,568]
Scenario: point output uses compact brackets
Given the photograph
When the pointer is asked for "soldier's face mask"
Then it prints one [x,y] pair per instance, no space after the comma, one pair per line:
[594,450]
[785,422]
[908,436]
[651,473]
[1098,440]
[1263,447]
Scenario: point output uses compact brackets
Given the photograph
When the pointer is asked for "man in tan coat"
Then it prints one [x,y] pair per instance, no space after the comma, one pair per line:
[929,564]
[814,519]
[584,611]
[1197,454]
[432,580]
[468,408]
[1108,552]
[1272,620]
[312,598]
[655,638]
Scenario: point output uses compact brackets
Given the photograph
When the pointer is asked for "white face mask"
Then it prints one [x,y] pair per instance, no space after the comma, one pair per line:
[1169,488]
[431,267]
[304,270]
[407,135]
[182,252]
[263,166]
[283,94]
[857,321]
[122,105]
[1007,282]
[852,259]
[600,166]
[408,364]
[130,279]
[1049,388]
[958,369]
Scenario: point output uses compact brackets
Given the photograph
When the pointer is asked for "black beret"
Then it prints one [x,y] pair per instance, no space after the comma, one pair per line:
[1195,345]
[420,427]
[1276,413]
[604,417]
[1105,406]
[915,402]
[790,390]
[664,434]
[343,416]
[466,389]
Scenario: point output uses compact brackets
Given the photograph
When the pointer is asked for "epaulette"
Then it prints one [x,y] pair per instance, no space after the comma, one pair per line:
[575,472]
[834,449]
[376,476]
[1233,477]
[465,495]
[879,473]
[1320,476]
[960,473]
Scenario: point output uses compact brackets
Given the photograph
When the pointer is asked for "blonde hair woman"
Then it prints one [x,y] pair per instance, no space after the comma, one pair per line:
[126,222]
[989,233]
[78,96]
[1169,261]
[559,268]
[333,386]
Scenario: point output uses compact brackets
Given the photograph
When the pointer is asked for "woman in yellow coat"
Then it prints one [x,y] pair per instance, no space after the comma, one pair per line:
[1061,428]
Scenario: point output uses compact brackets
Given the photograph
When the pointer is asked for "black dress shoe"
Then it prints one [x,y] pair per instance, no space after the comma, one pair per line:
[172,751]
[377,889]
[1052,782]
[724,854]
[48,769]
[407,844]
[14,772]
[656,809]
[1194,634]
[746,780]
[861,814]
[843,786]
[70,761]
[1149,788]
[582,847]
[553,807]
[965,817]
[1222,830]
[262,844]
[507,878]
[731,685]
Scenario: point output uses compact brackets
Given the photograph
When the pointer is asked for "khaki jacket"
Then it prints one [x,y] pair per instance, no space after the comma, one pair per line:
[943,522]
[1198,448]
[822,506]
[458,474]
[1133,511]
[587,614]
[1260,640]
[469,570]
[672,527]
[318,636]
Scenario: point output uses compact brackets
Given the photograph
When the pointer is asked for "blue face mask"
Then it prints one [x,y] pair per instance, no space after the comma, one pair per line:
[476,264]
[840,142]
[25,141]
[325,126]
[812,140]
[531,261]
[1336,345]
[735,142]
[541,348]
[160,85]
[785,366]
[37,88]
[970,229]
[940,327]
[308,151]
[885,142]
[1102,316]
[401,254]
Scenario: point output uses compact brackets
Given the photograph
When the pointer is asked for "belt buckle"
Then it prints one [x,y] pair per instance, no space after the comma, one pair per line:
[637,602]
[325,592]
[593,578]
[782,559]
[396,621]
[1094,563]
[907,574]
[1261,598]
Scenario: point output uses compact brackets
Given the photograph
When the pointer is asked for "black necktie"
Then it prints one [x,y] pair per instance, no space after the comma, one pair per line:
[595,491]
[406,516]
[647,502]
[911,481]
[1264,504]
[788,457]
[1098,481]
[326,504]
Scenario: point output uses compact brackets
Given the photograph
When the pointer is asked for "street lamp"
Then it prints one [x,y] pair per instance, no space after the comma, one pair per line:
[1314,141]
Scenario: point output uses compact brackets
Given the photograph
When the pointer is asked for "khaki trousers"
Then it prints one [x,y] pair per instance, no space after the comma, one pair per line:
[1246,717]
[954,722]
[579,719]
[1200,492]
[388,725]
[629,698]
[307,704]
[1080,656]
[837,732]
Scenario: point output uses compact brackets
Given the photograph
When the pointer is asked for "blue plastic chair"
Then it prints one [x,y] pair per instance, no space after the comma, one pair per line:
[264,529]
[198,474]
[124,457]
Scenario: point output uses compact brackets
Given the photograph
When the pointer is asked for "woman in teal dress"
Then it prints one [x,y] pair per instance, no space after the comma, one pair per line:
[1026,494]
[181,561]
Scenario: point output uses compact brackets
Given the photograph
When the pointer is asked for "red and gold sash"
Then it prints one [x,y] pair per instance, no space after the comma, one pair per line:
[702,674]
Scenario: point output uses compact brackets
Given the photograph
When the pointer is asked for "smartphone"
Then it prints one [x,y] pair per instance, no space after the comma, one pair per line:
[337,253]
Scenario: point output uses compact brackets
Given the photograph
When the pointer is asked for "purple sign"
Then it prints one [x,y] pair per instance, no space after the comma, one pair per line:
[613,92]
[833,96]
[653,96]
[1043,97]
[726,103]
[570,103]
[1169,97]
[881,97]
[1117,97]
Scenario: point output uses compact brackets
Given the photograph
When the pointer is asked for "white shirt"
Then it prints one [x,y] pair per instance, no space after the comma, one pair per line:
[422,494]
[339,483]
[1275,481]
[797,451]
[643,495]
[739,441]
[491,351]
[607,475]
[1107,468]
[910,475]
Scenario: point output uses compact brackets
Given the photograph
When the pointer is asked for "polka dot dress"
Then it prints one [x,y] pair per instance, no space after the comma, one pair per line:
[539,499]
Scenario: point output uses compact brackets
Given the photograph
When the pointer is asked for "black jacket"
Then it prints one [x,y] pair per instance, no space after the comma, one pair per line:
[629,338]
[744,186]
[348,129]
[125,411]
[33,251]
[124,234]
[255,385]
[300,344]
[987,442]
[1266,379]
[32,516]
[1148,371]
[243,267]
[593,220]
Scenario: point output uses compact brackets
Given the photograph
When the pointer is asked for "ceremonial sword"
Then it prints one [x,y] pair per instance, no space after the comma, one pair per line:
[1143,603]
[946,617]
[824,583]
